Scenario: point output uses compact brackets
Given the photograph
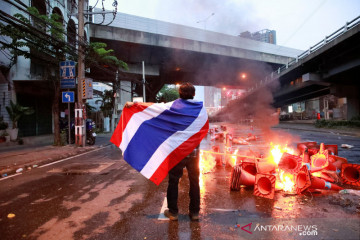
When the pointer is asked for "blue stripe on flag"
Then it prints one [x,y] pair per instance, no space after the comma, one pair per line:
[152,133]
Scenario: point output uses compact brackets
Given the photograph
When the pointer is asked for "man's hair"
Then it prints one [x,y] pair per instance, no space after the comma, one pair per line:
[187,91]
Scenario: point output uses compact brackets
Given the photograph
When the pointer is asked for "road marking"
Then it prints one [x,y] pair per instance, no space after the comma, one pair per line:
[62,160]
[65,159]
[162,210]
[10,176]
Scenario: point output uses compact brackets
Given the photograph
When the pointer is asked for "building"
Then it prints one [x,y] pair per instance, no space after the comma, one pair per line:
[265,35]
[29,81]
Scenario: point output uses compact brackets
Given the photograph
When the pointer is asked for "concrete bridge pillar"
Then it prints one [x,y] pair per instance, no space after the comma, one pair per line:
[352,93]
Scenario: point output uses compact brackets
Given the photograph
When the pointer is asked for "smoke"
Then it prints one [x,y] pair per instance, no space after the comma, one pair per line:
[255,106]
[229,17]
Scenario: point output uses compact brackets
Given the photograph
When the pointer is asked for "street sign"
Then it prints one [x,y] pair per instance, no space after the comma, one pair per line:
[67,74]
[68,97]
[87,87]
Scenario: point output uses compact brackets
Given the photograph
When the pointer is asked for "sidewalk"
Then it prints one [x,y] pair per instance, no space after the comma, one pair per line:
[308,125]
[34,152]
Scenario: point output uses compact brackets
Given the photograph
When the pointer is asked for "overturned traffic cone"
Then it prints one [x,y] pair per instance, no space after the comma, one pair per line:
[306,157]
[324,175]
[249,167]
[241,177]
[304,181]
[265,167]
[320,160]
[265,185]
[290,163]
[350,174]
[302,146]
[333,148]
[318,183]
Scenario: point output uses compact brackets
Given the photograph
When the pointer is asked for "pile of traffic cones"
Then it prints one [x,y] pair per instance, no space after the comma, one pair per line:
[317,166]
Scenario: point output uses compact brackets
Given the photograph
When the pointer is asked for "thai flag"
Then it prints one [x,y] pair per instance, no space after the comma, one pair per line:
[155,137]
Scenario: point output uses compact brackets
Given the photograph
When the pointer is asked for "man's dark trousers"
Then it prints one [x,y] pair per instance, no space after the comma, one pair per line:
[191,162]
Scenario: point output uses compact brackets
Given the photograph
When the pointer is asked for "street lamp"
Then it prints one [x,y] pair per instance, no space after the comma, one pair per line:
[205,20]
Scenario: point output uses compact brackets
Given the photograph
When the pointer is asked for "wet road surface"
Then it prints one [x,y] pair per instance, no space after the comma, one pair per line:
[99,196]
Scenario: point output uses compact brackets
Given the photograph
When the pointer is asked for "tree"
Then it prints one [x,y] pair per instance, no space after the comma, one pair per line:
[107,102]
[45,42]
[16,111]
[167,93]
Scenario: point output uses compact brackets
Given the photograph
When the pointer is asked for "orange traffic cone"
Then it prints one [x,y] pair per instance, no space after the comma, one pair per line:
[242,177]
[320,160]
[217,156]
[249,167]
[265,185]
[318,183]
[350,174]
[302,180]
[290,163]
[332,148]
[304,145]
[306,157]
[265,167]
[326,177]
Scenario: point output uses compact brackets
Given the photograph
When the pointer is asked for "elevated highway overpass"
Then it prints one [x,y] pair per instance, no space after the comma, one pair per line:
[174,53]
[331,66]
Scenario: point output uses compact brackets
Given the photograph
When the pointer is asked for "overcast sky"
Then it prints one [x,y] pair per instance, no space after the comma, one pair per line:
[298,23]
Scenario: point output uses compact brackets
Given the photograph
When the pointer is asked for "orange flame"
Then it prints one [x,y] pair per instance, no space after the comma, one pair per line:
[233,158]
[207,162]
[277,151]
[285,181]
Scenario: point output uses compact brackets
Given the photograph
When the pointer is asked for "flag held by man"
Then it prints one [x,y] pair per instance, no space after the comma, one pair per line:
[155,137]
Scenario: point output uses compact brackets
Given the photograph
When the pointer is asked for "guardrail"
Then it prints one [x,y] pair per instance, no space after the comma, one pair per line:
[322,43]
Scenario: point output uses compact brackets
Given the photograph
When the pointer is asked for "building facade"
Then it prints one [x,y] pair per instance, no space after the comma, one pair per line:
[22,80]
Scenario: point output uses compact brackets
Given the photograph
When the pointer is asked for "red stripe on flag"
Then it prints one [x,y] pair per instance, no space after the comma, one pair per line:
[125,117]
[179,154]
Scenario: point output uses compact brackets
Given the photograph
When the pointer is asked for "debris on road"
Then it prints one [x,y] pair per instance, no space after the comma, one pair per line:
[11,215]
[346,146]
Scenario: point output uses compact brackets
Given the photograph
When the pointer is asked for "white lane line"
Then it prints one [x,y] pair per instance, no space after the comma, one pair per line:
[162,210]
[10,176]
[62,160]
[65,159]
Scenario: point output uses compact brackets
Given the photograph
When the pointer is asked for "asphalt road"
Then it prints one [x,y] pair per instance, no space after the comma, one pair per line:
[98,196]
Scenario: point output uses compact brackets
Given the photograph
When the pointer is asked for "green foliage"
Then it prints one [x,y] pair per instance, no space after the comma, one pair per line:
[322,123]
[107,102]
[167,93]
[16,111]
[42,39]
[96,54]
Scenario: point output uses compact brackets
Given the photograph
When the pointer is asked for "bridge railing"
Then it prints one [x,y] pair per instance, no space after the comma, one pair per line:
[317,46]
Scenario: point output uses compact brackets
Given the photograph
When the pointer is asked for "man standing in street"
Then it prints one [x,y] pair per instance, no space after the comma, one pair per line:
[191,162]
[163,138]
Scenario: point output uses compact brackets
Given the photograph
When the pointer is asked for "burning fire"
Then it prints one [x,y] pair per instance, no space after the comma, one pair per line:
[277,151]
[207,162]
[233,158]
[285,181]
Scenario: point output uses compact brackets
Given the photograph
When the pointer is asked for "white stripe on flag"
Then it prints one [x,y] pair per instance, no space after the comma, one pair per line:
[172,143]
[138,118]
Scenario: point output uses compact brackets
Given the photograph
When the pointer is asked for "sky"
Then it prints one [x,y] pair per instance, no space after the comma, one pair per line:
[298,24]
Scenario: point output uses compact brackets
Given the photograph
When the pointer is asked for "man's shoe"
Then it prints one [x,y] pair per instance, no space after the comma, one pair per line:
[171,216]
[194,216]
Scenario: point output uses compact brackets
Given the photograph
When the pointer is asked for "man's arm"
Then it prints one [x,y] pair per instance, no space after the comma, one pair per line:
[130,104]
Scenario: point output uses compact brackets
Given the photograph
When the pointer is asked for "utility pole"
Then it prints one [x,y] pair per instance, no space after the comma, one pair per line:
[80,128]
[144,89]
